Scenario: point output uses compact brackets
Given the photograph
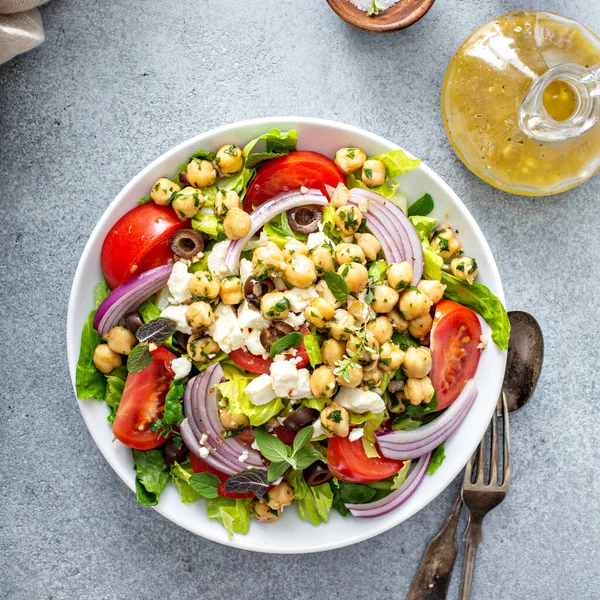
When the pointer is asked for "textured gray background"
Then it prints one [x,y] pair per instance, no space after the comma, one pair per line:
[118,83]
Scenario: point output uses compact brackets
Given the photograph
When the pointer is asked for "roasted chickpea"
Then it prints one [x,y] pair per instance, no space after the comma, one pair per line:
[434,289]
[332,351]
[400,276]
[225,202]
[105,359]
[444,242]
[417,362]
[322,256]
[231,291]
[319,312]
[414,303]
[275,306]
[280,496]
[300,271]
[465,268]
[390,357]
[292,248]
[420,326]
[162,191]
[205,285]
[356,276]
[348,219]
[399,323]
[372,376]
[201,348]
[322,382]
[237,223]
[263,512]
[418,390]
[364,350]
[340,196]
[335,420]
[352,376]
[201,173]
[374,173]
[385,299]
[267,258]
[347,253]
[230,159]
[199,314]
[342,325]
[233,421]
[350,159]
[187,202]
[382,329]
[120,340]
[369,244]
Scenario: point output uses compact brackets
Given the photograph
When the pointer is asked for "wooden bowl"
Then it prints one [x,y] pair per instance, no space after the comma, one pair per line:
[402,14]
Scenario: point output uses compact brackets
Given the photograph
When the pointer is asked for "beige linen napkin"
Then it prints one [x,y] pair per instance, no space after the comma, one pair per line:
[20,27]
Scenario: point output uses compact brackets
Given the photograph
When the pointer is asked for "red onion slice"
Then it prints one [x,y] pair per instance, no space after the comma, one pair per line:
[193,446]
[128,296]
[397,497]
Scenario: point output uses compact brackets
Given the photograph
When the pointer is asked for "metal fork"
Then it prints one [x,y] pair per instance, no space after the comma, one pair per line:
[480,495]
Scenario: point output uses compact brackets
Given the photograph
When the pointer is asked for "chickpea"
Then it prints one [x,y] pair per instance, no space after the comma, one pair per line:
[465,268]
[350,159]
[162,191]
[444,242]
[348,219]
[400,276]
[187,202]
[275,306]
[300,271]
[237,223]
[292,248]
[267,258]
[230,159]
[335,420]
[352,377]
[233,421]
[418,390]
[356,276]
[358,309]
[399,323]
[382,329]
[205,285]
[413,304]
[201,348]
[332,351]
[390,357]
[347,253]
[231,291]
[280,496]
[105,359]
[324,291]
[201,173]
[369,244]
[417,362]
[374,173]
[434,289]
[120,340]
[341,195]
[199,314]
[372,376]
[322,256]
[322,382]
[225,202]
[263,512]
[384,299]
[421,326]
[363,350]
[319,312]
[343,325]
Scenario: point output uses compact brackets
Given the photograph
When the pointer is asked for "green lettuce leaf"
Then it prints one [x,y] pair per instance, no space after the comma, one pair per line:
[433,262]
[437,458]
[311,343]
[400,477]
[208,223]
[152,475]
[371,423]
[148,311]
[173,414]
[115,384]
[278,230]
[377,271]
[232,513]
[239,402]
[397,162]
[329,228]
[316,403]
[387,189]
[313,502]
[180,475]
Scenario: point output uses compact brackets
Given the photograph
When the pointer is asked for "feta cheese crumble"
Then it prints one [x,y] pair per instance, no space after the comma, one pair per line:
[181,367]
[250,318]
[177,314]
[360,401]
[253,342]
[243,457]
[356,434]
[261,390]
[285,378]
[179,284]
[216,258]
[302,388]
[245,269]
[300,299]
[226,330]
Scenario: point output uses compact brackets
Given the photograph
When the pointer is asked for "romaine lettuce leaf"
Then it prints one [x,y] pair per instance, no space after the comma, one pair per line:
[329,228]
[400,477]
[316,403]
[433,262]
[437,458]
[311,343]
[397,162]
[152,475]
[208,223]
[371,423]
[180,475]
[240,402]
[115,383]
[232,513]
[313,502]
[387,189]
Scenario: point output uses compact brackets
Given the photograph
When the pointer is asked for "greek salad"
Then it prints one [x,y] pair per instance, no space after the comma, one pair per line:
[276,327]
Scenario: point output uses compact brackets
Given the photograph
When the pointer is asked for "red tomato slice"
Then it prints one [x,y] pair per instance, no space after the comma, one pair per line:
[455,356]
[291,172]
[139,241]
[143,401]
[348,462]
[257,364]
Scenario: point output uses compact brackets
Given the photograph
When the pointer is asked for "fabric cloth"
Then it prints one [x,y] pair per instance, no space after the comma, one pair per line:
[20,27]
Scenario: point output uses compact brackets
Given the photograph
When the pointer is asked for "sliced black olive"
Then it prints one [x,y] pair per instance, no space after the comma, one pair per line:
[396,385]
[304,219]
[254,290]
[133,321]
[182,340]
[301,418]
[277,330]
[186,243]
[317,473]
[174,453]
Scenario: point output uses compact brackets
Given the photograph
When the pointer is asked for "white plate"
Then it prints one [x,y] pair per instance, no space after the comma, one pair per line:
[290,534]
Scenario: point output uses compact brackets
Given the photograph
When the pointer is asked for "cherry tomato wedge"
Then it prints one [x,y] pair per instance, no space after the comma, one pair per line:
[199,466]
[139,241]
[143,401]
[291,172]
[348,462]
[455,356]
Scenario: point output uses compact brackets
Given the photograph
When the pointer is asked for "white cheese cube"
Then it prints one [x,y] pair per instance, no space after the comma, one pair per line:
[216,259]
[245,269]
[249,317]
[295,320]
[253,342]
[261,390]
[181,367]
[356,433]
[162,298]
[302,388]
[226,330]
[317,239]
[300,299]
[285,378]
[360,401]
[177,314]
[179,284]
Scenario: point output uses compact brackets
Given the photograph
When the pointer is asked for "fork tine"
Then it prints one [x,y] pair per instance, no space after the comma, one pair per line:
[481,459]
[469,469]
[506,445]
[494,456]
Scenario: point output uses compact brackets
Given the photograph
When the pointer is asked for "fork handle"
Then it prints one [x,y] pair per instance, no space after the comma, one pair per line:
[472,537]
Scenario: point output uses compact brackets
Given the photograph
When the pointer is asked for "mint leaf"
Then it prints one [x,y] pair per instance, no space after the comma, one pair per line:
[204,155]
[292,340]
[271,447]
[338,286]
[276,470]
[421,207]
[139,358]
[306,457]
[311,343]
[302,437]
[250,480]
[157,331]
[206,484]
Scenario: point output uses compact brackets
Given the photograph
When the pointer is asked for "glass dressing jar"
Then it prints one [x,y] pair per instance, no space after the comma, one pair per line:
[521,103]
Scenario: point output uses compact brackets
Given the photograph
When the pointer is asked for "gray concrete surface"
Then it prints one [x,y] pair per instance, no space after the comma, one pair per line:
[118,83]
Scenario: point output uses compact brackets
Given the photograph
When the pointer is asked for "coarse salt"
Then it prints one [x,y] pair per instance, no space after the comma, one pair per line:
[366,5]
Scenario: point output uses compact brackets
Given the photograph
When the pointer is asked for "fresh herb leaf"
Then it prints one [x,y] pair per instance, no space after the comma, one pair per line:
[303,437]
[338,503]
[250,480]
[311,343]
[205,484]
[156,331]
[139,358]
[276,470]
[204,155]
[338,286]
[144,200]
[437,458]
[421,207]
[292,340]
[355,493]
[420,410]
[306,457]
[402,422]
[271,447]
[404,341]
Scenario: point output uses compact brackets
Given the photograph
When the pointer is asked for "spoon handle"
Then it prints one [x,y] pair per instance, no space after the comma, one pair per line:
[433,575]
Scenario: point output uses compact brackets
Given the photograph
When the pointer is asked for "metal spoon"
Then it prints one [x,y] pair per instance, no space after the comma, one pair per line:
[523,367]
